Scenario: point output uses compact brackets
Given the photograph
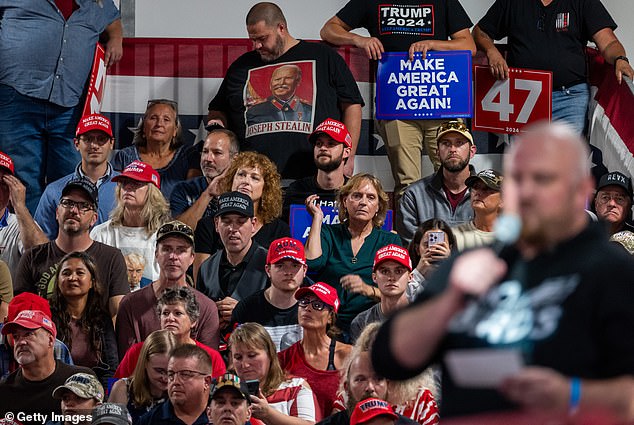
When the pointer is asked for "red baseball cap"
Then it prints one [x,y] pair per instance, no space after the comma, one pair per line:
[27,301]
[30,319]
[140,171]
[7,162]
[286,248]
[323,291]
[333,128]
[371,408]
[94,122]
[394,253]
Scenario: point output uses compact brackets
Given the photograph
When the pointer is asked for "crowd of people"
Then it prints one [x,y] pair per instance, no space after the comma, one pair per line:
[159,283]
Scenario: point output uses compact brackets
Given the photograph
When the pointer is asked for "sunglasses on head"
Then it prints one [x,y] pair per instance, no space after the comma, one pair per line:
[451,125]
[172,103]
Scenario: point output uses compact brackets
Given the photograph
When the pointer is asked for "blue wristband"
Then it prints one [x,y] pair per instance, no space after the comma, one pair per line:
[575,394]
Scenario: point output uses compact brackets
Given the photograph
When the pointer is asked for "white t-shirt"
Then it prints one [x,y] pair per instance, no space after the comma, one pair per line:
[130,240]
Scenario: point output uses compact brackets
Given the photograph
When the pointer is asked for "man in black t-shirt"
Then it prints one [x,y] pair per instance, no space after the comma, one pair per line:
[29,389]
[552,36]
[403,26]
[327,89]
[76,213]
[332,145]
[559,301]
[275,307]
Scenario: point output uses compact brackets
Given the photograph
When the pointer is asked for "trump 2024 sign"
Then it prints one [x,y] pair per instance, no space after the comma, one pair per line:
[505,106]
[436,87]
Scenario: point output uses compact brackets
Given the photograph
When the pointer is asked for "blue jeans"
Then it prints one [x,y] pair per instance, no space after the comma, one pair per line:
[571,106]
[38,136]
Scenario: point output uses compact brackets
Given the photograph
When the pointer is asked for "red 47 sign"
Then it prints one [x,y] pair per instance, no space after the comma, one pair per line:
[505,106]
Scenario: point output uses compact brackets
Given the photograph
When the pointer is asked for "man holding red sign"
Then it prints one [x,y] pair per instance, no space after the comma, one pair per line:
[403,26]
[552,35]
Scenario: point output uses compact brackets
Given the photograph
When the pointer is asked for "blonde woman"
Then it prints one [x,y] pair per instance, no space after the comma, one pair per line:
[141,209]
[147,386]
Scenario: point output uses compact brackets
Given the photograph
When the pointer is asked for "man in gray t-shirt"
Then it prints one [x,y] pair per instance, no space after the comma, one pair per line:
[391,272]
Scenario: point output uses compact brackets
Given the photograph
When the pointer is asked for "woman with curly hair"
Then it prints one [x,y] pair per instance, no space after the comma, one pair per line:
[147,386]
[342,254]
[158,142]
[281,399]
[141,209]
[254,175]
[82,323]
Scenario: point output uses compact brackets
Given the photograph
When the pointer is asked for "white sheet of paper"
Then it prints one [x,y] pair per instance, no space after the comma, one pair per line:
[483,367]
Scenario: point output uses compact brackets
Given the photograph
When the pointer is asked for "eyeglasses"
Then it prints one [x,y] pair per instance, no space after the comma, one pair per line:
[604,198]
[99,140]
[451,125]
[82,207]
[317,305]
[186,375]
[172,103]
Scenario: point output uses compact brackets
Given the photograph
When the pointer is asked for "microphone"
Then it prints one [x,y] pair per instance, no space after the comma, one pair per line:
[507,229]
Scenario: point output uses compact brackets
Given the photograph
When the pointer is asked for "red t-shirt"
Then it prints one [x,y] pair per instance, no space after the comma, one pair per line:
[129,361]
[324,383]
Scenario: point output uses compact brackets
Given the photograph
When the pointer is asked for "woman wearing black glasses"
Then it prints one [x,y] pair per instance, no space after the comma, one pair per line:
[157,141]
[318,356]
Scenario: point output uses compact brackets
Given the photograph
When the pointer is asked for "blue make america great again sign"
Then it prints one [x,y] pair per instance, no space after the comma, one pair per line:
[436,87]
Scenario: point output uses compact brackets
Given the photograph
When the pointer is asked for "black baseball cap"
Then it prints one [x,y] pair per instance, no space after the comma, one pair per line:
[235,202]
[84,184]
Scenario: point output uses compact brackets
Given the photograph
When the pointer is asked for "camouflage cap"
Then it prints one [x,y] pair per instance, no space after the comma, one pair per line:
[83,385]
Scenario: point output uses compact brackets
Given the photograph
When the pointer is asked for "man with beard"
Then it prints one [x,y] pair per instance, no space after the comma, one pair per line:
[283,104]
[333,93]
[29,389]
[332,145]
[197,198]
[559,299]
[188,388]
[442,195]
[76,214]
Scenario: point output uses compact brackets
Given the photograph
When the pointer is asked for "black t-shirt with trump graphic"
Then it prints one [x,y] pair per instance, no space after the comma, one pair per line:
[398,24]
[273,106]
